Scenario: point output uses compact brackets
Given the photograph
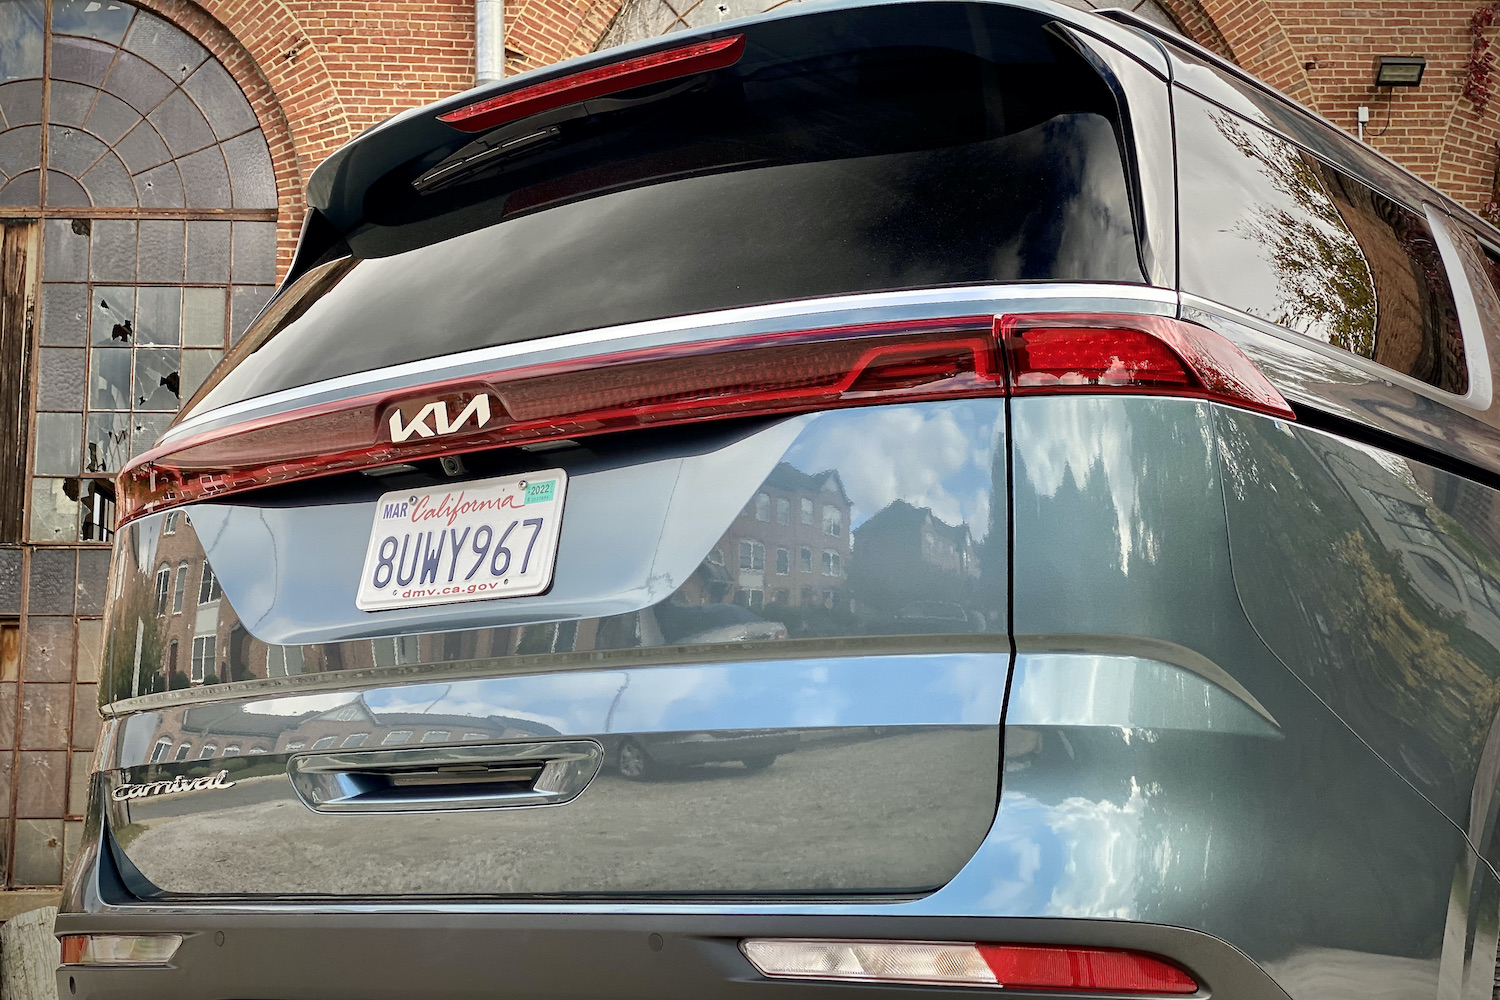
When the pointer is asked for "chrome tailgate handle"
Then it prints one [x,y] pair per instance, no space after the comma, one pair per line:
[430,779]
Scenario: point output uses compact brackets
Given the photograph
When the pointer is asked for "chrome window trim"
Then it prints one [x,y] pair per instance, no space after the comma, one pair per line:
[693,328]
[1476,353]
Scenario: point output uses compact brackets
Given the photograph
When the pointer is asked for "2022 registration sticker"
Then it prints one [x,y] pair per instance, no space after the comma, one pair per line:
[466,542]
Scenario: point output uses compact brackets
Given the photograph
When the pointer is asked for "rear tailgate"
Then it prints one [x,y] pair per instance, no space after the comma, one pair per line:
[829,734]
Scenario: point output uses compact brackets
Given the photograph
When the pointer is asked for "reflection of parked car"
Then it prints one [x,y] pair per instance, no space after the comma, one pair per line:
[686,624]
[938,616]
[645,755]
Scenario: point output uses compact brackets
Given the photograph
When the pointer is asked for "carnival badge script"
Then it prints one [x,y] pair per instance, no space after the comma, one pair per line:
[177,784]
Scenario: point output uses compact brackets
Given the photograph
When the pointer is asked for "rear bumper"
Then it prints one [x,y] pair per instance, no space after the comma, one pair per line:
[457,955]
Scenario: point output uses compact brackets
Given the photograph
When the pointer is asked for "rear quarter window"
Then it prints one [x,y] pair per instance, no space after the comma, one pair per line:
[1270,230]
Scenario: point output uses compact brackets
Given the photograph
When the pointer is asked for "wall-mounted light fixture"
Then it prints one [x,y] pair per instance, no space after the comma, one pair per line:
[1399,71]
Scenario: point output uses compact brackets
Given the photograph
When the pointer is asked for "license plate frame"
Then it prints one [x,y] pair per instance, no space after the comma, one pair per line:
[438,529]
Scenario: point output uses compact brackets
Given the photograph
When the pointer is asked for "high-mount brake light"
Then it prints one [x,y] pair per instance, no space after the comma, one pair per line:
[1047,354]
[657,67]
[766,374]
[938,963]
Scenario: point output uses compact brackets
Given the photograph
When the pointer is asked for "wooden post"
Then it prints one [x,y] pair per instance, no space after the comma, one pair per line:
[29,956]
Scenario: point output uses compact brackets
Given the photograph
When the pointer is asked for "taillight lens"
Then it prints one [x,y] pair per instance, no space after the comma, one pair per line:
[772,374]
[1052,353]
[780,373]
[936,963]
[657,67]
[119,949]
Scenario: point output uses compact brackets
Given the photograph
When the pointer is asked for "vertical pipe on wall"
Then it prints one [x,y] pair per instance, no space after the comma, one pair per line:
[489,41]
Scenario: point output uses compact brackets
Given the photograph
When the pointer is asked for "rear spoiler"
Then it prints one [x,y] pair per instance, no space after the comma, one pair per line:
[424,137]
[417,140]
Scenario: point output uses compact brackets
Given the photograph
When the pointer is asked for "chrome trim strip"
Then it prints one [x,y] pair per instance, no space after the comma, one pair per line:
[298,685]
[774,317]
[1144,648]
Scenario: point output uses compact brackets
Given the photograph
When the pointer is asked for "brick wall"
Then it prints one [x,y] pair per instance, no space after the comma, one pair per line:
[320,73]
[1323,53]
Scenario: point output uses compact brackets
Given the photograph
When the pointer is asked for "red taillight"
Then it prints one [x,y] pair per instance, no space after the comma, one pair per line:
[1048,354]
[658,67]
[942,963]
[776,373]
[1083,969]
[768,374]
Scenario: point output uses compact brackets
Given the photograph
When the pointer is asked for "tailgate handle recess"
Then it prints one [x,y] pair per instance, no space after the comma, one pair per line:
[434,779]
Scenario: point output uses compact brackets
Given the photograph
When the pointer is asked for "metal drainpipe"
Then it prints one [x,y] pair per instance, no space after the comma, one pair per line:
[489,41]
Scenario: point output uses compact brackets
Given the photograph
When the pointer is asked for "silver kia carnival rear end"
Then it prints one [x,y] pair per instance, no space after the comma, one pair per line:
[873,499]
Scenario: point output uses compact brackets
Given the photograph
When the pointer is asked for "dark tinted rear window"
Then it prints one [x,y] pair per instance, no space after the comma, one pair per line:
[886,148]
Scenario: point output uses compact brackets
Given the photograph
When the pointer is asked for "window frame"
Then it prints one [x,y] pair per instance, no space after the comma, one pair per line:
[163,590]
[208,584]
[205,655]
[179,587]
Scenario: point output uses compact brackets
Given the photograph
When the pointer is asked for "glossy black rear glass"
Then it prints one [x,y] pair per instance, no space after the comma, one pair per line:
[852,151]
[1274,231]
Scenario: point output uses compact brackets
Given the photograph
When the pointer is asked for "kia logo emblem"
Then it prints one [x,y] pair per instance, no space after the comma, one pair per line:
[437,418]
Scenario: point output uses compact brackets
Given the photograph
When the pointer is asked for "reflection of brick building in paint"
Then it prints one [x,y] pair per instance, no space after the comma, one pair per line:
[790,545]
[905,554]
[196,644]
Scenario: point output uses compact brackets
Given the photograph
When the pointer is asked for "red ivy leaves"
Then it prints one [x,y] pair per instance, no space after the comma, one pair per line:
[1481,59]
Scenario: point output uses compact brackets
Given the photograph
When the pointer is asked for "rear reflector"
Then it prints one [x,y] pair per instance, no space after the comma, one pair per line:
[769,374]
[932,963]
[657,67]
[119,949]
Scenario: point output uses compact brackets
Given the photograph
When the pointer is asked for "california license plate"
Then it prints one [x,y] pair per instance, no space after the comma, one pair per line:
[469,542]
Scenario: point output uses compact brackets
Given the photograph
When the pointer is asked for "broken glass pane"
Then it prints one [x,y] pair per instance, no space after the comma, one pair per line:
[146,428]
[54,518]
[114,315]
[101,19]
[109,379]
[156,379]
[107,445]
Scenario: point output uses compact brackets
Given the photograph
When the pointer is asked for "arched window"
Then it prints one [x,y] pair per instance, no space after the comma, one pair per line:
[154,186]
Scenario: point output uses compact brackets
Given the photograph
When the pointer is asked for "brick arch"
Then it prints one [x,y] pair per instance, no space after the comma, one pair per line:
[1255,39]
[539,32]
[1467,166]
[1197,25]
[264,49]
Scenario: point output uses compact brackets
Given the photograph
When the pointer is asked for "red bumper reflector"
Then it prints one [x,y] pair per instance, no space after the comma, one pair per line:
[657,67]
[763,375]
[1084,969]
[942,963]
